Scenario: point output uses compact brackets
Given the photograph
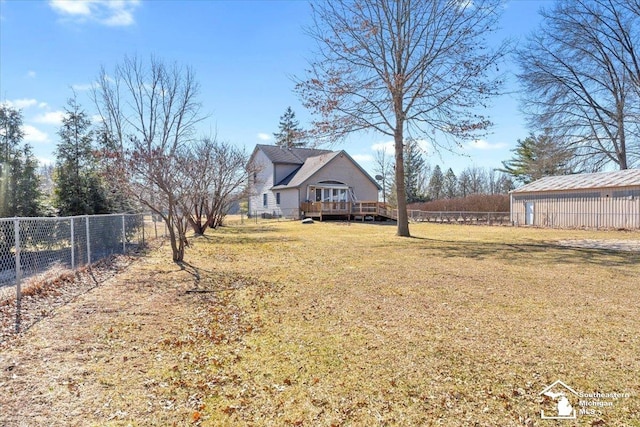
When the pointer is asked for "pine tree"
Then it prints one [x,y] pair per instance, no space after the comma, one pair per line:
[78,188]
[538,156]
[19,183]
[291,134]
[450,185]
[414,166]
[28,196]
[436,184]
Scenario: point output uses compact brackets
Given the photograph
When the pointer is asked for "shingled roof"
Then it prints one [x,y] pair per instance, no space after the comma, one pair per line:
[295,156]
[623,178]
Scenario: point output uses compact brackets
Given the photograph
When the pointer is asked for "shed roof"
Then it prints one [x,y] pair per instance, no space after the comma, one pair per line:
[623,178]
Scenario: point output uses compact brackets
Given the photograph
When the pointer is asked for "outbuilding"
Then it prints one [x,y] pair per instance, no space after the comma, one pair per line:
[590,200]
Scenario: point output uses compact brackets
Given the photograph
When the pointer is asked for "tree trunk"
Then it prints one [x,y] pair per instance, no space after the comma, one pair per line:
[176,240]
[401,193]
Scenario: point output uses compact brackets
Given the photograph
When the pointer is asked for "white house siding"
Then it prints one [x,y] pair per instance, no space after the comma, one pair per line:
[341,169]
[261,182]
[281,171]
[616,207]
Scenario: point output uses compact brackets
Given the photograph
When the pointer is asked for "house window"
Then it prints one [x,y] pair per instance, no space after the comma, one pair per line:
[264,200]
[277,198]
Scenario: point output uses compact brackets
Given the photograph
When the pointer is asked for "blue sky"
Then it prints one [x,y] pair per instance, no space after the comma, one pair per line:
[244,54]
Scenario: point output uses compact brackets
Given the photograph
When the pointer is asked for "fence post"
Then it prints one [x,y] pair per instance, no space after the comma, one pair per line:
[16,228]
[124,237]
[142,222]
[73,246]
[86,218]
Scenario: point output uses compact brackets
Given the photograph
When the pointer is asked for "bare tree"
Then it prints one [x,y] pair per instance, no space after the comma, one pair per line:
[149,113]
[218,177]
[403,68]
[581,77]
[383,170]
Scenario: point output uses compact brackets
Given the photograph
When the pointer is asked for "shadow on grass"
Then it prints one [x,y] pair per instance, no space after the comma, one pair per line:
[528,253]
[206,281]
[246,235]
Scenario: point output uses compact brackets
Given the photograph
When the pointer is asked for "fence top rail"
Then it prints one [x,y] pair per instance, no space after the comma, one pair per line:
[458,212]
[60,218]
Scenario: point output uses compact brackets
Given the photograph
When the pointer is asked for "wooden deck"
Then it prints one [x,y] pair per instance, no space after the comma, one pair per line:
[348,210]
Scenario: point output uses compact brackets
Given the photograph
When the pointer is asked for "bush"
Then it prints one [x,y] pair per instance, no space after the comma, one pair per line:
[472,203]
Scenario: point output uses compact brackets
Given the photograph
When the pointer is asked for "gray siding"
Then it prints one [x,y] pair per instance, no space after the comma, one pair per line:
[588,208]
[341,169]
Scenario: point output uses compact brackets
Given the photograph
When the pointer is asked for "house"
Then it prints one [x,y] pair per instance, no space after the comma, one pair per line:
[306,182]
[590,200]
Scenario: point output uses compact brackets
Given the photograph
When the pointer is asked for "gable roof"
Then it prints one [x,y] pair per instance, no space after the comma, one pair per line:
[622,178]
[308,168]
[295,156]
[310,161]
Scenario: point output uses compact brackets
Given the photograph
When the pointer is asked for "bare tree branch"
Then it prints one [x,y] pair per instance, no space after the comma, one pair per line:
[402,68]
[149,112]
[580,74]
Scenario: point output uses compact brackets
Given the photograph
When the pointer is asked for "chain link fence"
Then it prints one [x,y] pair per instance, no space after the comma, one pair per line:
[32,246]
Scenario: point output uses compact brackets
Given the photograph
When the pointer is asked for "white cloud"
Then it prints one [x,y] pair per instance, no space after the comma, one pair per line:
[264,136]
[81,87]
[20,103]
[71,7]
[31,74]
[389,146]
[113,13]
[33,134]
[362,158]
[50,118]
[45,161]
[481,144]
[43,105]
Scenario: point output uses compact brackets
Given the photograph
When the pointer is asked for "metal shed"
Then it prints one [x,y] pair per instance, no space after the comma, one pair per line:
[590,200]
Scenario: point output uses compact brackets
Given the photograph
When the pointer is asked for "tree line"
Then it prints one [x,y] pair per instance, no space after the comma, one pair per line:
[424,183]
[141,154]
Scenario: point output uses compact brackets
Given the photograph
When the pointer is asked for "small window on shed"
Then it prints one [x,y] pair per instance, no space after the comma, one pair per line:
[277,198]
[264,200]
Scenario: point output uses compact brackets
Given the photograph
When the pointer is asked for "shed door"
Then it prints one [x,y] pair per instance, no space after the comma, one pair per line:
[528,213]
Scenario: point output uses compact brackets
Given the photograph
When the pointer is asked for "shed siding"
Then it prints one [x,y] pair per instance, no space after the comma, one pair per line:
[589,208]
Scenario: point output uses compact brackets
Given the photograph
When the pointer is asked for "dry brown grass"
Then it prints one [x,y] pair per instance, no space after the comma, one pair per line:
[335,324]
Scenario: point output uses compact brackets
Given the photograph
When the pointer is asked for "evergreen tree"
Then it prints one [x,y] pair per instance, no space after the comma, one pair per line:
[291,134]
[78,187]
[464,184]
[450,185]
[436,184]
[28,195]
[538,156]
[19,183]
[414,165]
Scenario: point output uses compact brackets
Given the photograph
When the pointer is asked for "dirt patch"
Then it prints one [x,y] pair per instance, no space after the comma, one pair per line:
[43,293]
[615,245]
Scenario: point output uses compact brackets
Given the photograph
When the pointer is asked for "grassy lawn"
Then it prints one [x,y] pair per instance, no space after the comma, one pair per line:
[335,324]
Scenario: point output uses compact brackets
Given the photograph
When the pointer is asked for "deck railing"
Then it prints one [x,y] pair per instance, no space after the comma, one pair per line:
[359,208]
